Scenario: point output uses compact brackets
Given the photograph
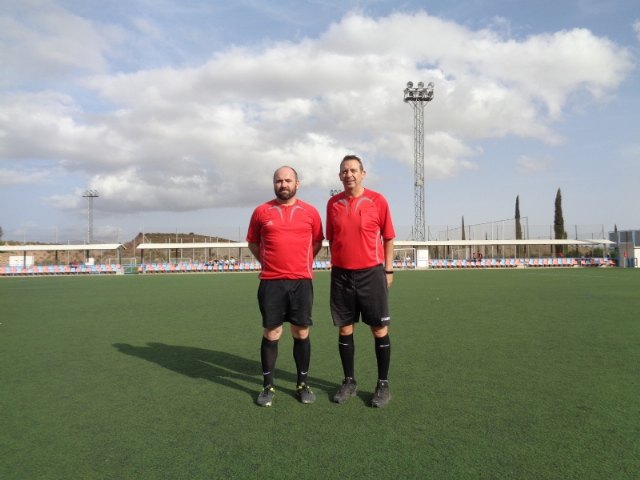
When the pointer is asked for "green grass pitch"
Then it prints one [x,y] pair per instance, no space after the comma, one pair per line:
[527,374]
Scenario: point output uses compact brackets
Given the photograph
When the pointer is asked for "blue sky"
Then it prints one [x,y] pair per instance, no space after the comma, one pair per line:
[178,112]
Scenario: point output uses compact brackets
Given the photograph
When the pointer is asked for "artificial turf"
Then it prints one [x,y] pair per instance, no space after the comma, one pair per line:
[527,374]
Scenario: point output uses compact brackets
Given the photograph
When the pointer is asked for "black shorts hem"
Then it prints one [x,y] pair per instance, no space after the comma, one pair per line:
[359,295]
[286,301]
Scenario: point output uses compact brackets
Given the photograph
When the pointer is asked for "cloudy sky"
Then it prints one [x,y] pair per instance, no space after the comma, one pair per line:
[178,111]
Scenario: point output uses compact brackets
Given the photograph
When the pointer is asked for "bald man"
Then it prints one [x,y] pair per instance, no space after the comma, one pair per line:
[285,235]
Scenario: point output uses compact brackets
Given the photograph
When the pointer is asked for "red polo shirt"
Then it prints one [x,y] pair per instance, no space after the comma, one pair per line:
[286,234]
[356,227]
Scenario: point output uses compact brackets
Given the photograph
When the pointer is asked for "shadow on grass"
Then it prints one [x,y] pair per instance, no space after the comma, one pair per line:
[224,368]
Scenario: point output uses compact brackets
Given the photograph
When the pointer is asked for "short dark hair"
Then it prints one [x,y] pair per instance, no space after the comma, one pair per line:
[352,157]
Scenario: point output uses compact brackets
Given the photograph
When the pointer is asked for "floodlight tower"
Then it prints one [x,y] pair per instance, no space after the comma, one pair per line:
[90,195]
[418,97]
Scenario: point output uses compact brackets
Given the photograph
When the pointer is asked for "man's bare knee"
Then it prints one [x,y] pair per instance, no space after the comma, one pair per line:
[272,334]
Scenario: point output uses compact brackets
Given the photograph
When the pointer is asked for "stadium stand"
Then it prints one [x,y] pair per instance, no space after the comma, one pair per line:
[43,270]
[200,267]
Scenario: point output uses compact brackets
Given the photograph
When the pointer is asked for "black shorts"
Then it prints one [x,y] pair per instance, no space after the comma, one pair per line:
[285,301]
[356,293]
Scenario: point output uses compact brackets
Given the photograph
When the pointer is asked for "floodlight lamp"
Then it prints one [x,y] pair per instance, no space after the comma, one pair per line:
[430,90]
[409,84]
[420,84]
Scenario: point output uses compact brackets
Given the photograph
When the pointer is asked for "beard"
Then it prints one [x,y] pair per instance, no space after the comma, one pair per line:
[286,194]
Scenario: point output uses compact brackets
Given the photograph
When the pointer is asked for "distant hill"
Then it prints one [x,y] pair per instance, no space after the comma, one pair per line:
[129,250]
[177,238]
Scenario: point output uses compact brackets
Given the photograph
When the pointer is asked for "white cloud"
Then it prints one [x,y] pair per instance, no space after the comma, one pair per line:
[13,177]
[527,164]
[41,38]
[175,139]
[636,28]
[148,28]
[50,126]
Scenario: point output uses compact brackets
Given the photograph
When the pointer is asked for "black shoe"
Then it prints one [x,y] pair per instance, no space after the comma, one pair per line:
[348,389]
[381,396]
[265,399]
[304,394]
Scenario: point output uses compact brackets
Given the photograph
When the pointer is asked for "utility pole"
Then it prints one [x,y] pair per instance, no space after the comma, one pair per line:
[418,97]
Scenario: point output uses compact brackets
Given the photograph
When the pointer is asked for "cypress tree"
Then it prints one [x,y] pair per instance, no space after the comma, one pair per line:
[518,225]
[558,223]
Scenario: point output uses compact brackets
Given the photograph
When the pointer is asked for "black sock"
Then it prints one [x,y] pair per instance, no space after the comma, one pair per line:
[302,357]
[347,351]
[383,356]
[268,356]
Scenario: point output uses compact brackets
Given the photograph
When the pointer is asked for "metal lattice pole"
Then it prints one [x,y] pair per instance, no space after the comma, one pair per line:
[90,195]
[417,97]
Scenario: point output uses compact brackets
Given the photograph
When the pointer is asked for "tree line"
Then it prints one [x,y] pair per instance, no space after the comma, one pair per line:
[558,223]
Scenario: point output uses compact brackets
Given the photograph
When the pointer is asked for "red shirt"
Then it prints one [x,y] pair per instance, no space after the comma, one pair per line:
[286,234]
[356,227]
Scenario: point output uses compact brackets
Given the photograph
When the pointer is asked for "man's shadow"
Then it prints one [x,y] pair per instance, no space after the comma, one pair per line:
[224,368]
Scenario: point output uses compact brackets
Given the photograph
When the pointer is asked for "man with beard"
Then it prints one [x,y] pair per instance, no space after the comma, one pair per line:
[285,235]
